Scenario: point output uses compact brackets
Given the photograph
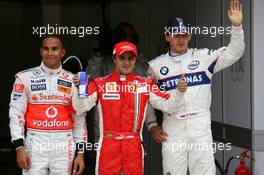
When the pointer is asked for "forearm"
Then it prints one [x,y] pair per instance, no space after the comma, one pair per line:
[80,132]
[151,118]
[169,104]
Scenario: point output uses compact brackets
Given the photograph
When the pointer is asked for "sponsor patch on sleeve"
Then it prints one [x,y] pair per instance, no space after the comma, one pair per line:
[19,88]
[16,96]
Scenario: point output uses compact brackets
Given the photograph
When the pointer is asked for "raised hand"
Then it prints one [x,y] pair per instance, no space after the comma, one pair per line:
[234,13]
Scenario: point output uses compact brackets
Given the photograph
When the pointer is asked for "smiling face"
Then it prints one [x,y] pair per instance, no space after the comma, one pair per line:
[52,52]
[125,63]
[178,43]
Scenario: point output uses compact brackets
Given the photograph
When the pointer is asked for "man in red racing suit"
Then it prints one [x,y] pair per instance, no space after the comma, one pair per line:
[122,100]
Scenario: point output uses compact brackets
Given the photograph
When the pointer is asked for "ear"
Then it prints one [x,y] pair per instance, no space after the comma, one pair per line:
[189,37]
[167,38]
[114,59]
[63,52]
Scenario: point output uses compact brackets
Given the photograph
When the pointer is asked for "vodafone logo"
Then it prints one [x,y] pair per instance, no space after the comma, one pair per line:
[51,112]
[18,88]
[65,75]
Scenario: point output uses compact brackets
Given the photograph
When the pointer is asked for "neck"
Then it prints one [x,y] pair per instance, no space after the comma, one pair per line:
[121,73]
[50,70]
[52,67]
[175,53]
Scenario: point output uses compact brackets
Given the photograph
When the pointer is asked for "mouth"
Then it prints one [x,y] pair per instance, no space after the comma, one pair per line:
[180,44]
[126,67]
[50,58]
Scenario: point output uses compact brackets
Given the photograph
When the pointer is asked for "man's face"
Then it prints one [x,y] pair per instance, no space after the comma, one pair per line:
[178,43]
[52,52]
[125,63]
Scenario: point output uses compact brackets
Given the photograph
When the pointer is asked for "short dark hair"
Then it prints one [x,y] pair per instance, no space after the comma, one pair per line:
[52,36]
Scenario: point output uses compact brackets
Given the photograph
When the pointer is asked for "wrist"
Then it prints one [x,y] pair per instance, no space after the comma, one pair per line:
[19,149]
[151,124]
[80,154]
[18,143]
[80,147]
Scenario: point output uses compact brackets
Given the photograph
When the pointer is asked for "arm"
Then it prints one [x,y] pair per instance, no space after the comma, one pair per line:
[156,131]
[80,139]
[82,105]
[79,131]
[151,118]
[169,103]
[227,56]
[17,110]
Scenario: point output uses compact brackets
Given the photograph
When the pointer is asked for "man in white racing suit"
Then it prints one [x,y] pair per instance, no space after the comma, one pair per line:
[186,135]
[41,104]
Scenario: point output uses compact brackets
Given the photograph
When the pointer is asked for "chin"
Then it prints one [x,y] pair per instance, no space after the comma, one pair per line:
[126,72]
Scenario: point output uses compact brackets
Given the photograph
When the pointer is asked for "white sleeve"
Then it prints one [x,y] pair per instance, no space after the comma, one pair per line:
[151,118]
[168,103]
[84,104]
[227,56]
[17,110]
[79,128]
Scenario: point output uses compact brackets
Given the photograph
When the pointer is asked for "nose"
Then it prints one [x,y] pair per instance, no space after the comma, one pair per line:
[50,52]
[181,38]
[126,61]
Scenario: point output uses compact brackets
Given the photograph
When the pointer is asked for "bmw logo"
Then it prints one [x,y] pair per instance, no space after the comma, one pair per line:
[164,70]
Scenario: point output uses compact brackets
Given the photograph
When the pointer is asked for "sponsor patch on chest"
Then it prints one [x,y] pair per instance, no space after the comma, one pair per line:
[38,87]
[64,83]
[111,96]
[43,80]
[64,89]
